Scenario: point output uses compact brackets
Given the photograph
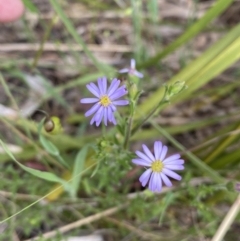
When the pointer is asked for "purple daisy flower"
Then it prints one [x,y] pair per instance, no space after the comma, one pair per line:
[159,167]
[106,101]
[132,70]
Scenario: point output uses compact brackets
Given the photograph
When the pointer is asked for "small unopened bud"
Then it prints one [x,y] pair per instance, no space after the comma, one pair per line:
[133,91]
[175,89]
[104,143]
[53,125]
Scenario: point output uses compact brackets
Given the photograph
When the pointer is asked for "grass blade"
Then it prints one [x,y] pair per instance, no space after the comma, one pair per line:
[212,13]
[214,61]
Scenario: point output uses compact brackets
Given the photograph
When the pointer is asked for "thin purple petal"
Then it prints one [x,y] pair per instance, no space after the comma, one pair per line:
[157,149]
[113,87]
[158,185]
[174,167]
[118,93]
[133,64]
[141,162]
[99,116]
[105,116]
[152,182]
[112,108]
[171,174]
[99,81]
[125,70]
[163,153]
[166,180]
[138,74]
[120,102]
[171,158]
[93,89]
[148,153]
[96,116]
[93,109]
[113,119]
[143,156]
[104,81]
[145,177]
[109,114]
[100,86]
[89,100]
[155,183]
[175,162]
[92,120]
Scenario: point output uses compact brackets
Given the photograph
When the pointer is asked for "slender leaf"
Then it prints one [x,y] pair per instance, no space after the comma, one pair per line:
[78,168]
[49,146]
[30,6]
[43,175]
[214,61]
[68,24]
[212,13]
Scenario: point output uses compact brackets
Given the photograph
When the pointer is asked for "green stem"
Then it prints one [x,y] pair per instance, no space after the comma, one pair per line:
[8,92]
[162,102]
[192,31]
[14,103]
[128,133]
[45,38]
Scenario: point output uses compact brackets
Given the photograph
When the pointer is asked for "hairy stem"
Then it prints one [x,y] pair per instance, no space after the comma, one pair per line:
[139,124]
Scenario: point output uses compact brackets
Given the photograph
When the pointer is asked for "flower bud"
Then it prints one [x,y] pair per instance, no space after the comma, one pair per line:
[175,89]
[53,125]
[133,91]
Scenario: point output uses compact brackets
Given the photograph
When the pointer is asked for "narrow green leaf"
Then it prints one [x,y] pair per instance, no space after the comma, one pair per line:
[211,63]
[78,168]
[153,12]
[49,146]
[30,6]
[40,126]
[222,146]
[227,159]
[167,201]
[43,175]
[212,13]
[46,176]
[69,26]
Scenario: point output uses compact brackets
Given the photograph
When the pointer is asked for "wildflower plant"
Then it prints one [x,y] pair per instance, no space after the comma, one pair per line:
[115,151]
[106,161]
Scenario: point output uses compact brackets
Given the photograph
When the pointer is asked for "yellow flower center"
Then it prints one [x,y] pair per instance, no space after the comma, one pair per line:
[105,101]
[157,166]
